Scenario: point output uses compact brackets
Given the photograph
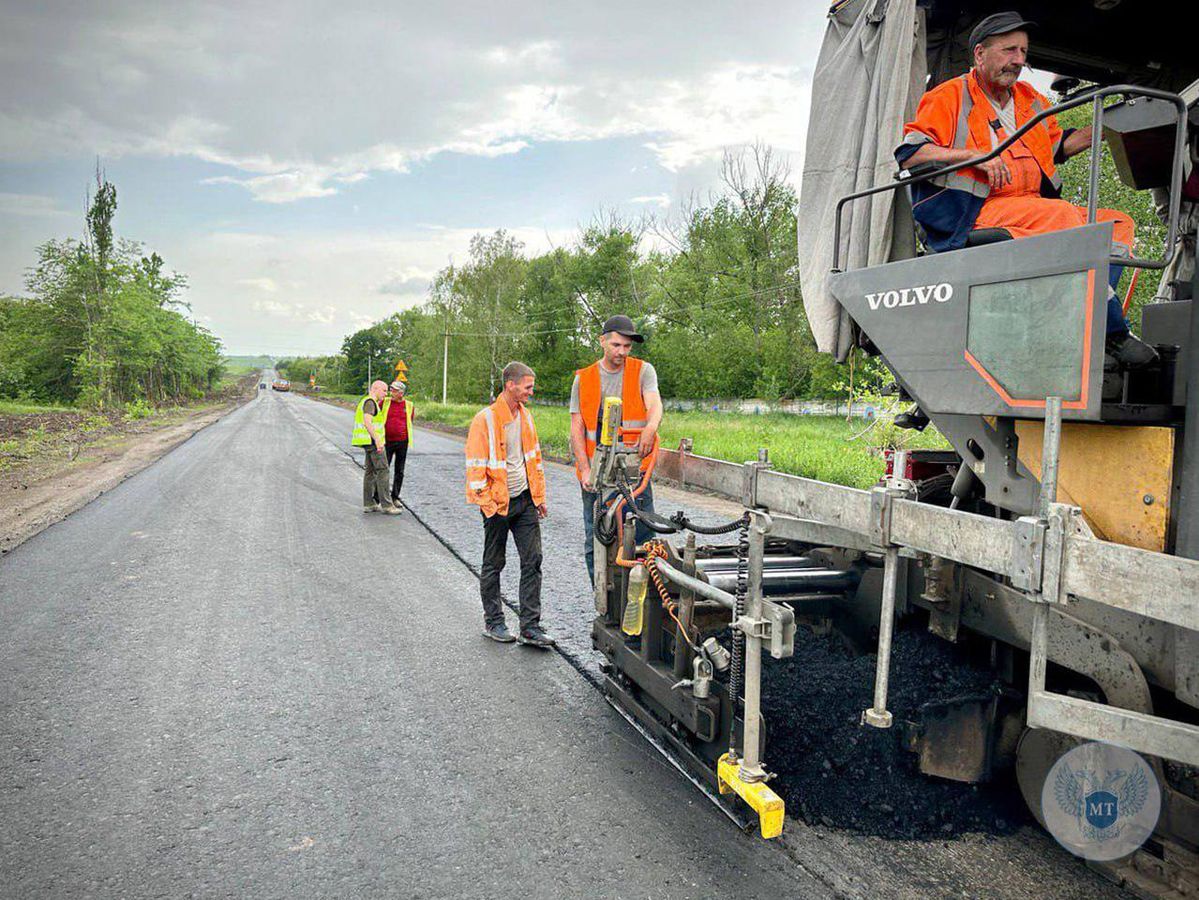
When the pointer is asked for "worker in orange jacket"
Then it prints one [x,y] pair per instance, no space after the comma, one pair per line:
[634,380]
[1018,191]
[505,478]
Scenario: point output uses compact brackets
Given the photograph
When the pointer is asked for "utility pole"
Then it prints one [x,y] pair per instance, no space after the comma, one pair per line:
[445,366]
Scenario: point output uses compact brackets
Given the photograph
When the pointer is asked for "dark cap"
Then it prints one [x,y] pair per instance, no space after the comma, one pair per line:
[998,23]
[623,325]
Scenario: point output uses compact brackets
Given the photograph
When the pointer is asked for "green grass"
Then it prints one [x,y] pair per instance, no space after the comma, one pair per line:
[15,408]
[821,447]
[244,365]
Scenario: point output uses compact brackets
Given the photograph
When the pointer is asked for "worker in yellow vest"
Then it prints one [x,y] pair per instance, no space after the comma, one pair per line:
[370,419]
[634,381]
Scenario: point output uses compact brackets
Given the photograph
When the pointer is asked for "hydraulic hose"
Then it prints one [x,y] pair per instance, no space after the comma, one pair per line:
[651,462]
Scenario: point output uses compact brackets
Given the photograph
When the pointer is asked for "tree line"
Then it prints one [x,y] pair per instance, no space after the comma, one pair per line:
[103,323]
[714,289]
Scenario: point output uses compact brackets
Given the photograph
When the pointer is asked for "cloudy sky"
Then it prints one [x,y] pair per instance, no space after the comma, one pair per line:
[310,166]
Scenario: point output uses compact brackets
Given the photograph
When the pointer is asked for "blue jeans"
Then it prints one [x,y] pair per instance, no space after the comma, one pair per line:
[645,503]
[1117,325]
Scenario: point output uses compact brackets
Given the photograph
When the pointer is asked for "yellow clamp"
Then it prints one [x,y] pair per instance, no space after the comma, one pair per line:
[766,803]
[611,405]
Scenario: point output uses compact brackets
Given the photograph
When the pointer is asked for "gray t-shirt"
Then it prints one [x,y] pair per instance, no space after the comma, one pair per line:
[518,478]
[612,385]
[1007,120]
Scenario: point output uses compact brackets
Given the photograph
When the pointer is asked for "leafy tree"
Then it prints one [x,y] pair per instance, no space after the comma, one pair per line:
[101,323]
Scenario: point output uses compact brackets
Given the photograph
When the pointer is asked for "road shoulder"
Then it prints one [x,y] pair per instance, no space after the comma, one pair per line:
[34,497]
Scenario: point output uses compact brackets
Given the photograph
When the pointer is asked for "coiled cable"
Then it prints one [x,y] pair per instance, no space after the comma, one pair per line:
[737,665]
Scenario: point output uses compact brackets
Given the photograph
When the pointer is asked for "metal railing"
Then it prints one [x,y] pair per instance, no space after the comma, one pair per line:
[1043,557]
[1096,97]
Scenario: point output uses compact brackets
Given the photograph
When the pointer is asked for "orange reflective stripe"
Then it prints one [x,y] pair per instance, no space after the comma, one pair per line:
[486,459]
[958,114]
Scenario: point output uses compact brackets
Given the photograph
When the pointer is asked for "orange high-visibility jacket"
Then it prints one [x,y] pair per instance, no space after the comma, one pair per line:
[634,415]
[957,114]
[487,455]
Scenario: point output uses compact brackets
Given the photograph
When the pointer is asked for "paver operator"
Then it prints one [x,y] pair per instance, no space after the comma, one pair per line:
[370,420]
[505,478]
[635,382]
[1019,190]
[398,435]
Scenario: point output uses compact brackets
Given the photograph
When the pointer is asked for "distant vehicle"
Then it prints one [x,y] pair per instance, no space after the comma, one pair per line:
[262,385]
[281,385]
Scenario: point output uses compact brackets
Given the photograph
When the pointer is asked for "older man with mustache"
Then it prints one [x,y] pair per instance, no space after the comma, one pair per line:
[1018,191]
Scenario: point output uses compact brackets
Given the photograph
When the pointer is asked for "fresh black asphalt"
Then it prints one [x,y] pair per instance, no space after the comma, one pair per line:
[223,679]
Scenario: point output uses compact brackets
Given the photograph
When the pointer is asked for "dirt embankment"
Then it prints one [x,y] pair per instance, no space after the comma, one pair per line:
[53,463]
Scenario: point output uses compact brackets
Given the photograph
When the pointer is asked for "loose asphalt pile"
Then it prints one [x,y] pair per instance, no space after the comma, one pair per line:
[833,771]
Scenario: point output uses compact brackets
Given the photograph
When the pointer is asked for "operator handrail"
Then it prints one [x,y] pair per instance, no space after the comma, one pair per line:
[1096,96]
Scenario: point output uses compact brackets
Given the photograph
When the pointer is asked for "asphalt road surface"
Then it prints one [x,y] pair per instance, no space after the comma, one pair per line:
[222,678]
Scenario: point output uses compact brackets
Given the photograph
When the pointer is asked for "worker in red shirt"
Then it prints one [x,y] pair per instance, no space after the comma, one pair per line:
[398,435]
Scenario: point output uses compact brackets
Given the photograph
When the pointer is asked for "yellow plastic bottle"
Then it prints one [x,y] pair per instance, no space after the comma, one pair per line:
[634,610]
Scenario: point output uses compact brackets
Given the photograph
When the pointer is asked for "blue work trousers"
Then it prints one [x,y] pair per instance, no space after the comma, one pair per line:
[1117,325]
[645,503]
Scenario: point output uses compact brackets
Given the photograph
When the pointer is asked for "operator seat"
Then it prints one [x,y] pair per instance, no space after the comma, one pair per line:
[980,236]
[976,238]
[915,418]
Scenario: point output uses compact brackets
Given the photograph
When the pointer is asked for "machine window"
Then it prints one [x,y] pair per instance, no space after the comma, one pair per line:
[1029,334]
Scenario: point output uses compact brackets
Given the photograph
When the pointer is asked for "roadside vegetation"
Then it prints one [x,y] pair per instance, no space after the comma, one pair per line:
[714,287]
[39,438]
[827,448]
[102,324]
[243,365]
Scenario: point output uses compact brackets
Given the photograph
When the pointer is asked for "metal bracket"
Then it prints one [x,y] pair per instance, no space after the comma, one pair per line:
[759,628]
[880,516]
[881,499]
[749,476]
[943,591]
[1028,548]
[776,628]
[1062,519]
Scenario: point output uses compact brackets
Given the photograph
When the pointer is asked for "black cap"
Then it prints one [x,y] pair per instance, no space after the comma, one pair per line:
[623,325]
[999,23]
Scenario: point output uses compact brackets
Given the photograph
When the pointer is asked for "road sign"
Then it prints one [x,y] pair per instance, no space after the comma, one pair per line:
[401,369]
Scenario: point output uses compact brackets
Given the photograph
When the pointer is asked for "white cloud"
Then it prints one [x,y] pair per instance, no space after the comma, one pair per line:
[263,284]
[660,200]
[31,205]
[538,54]
[304,293]
[291,103]
[410,282]
[275,308]
[299,103]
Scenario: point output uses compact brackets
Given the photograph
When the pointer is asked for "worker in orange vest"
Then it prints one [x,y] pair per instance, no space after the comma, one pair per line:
[505,478]
[635,382]
[1018,191]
